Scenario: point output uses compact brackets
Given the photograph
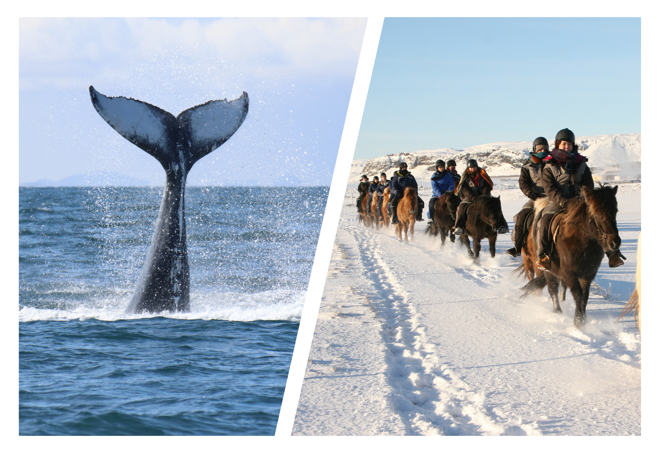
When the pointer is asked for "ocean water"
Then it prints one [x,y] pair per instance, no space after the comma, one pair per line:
[88,368]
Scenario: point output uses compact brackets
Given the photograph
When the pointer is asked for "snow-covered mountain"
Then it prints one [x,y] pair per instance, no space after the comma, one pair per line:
[610,157]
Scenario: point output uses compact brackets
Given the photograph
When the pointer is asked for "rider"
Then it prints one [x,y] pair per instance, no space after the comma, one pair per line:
[380,191]
[565,173]
[362,189]
[400,180]
[532,186]
[373,187]
[474,182]
[451,168]
[441,182]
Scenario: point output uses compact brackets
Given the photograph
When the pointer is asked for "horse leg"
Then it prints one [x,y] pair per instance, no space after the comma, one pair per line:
[477,246]
[553,287]
[563,291]
[412,229]
[443,235]
[581,295]
[491,245]
[466,241]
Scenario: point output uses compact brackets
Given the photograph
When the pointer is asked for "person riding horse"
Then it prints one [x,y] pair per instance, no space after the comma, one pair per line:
[441,182]
[474,182]
[373,187]
[451,168]
[564,175]
[400,180]
[531,185]
[384,183]
[362,189]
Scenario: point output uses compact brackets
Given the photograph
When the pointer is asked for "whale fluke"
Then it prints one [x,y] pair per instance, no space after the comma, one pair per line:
[177,143]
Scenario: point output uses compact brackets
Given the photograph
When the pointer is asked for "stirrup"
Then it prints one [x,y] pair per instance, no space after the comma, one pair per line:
[544,263]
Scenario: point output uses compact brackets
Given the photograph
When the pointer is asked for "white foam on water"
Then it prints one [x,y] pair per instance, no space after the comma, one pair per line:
[274,305]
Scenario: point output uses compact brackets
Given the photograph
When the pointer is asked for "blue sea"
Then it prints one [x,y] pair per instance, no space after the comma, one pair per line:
[88,368]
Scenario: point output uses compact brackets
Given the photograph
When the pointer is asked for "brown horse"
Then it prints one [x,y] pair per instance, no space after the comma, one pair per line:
[583,230]
[443,216]
[406,211]
[374,211]
[383,208]
[484,220]
[364,218]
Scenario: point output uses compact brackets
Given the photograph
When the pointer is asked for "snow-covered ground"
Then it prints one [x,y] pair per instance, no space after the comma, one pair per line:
[416,339]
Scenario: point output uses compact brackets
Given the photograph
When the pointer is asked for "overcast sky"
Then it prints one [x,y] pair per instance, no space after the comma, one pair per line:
[459,82]
[298,74]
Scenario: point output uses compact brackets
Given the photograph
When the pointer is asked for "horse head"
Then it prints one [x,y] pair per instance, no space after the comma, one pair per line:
[492,214]
[602,208]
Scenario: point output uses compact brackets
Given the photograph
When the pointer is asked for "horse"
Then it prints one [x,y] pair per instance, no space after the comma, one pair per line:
[407,212]
[363,217]
[484,220]
[383,207]
[635,302]
[583,230]
[443,216]
[374,211]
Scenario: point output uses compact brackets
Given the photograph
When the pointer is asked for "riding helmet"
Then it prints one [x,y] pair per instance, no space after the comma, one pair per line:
[565,134]
[451,163]
[439,163]
[472,163]
[403,165]
[540,141]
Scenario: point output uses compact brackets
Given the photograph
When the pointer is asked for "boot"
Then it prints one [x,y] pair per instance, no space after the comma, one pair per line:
[615,258]
[513,251]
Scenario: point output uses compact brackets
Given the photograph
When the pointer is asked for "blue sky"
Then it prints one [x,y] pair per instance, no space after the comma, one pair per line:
[459,82]
[298,73]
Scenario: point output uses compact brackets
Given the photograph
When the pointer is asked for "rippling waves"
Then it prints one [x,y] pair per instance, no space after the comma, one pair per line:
[89,368]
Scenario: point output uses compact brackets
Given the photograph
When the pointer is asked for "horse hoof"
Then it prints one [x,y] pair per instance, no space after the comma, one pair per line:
[502,230]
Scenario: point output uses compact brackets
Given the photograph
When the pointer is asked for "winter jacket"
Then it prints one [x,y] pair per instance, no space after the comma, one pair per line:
[401,180]
[441,182]
[456,177]
[363,187]
[561,185]
[531,180]
[472,186]
[373,187]
[382,186]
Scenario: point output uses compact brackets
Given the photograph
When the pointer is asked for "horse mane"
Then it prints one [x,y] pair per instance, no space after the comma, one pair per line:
[593,203]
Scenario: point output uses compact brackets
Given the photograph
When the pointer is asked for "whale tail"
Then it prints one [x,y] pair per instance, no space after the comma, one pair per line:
[202,128]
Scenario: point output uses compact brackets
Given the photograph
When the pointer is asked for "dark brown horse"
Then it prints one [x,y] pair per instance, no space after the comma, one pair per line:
[443,216]
[406,211]
[585,228]
[484,220]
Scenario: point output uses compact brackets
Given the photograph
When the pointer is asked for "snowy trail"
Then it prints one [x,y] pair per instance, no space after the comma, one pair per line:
[451,349]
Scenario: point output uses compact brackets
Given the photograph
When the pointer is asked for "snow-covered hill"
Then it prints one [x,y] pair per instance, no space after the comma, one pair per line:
[615,156]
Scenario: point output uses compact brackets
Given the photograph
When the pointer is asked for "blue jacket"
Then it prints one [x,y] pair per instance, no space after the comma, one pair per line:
[441,182]
[373,187]
[401,181]
[381,187]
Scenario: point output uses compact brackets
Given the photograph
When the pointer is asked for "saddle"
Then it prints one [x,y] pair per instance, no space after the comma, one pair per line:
[553,229]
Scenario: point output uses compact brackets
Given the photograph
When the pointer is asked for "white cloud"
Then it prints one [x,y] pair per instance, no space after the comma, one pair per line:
[66,52]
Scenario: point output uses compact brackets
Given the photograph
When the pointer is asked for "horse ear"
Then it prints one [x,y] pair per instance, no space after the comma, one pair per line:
[615,189]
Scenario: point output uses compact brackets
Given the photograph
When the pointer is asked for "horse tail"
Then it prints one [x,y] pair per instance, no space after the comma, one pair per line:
[535,285]
[519,271]
[431,229]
